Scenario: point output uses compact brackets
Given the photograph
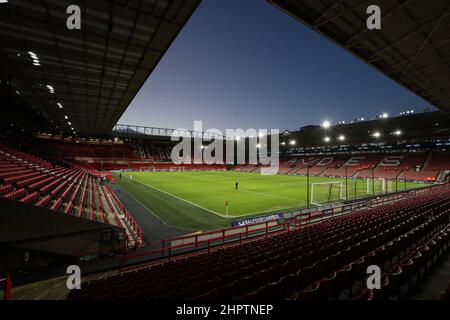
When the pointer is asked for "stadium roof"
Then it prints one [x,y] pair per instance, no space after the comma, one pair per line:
[433,125]
[412,48]
[92,73]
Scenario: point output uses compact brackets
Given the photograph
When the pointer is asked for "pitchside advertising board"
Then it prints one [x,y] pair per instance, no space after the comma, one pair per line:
[256,220]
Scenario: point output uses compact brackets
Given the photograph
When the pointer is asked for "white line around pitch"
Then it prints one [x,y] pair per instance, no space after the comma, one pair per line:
[181,199]
[224,216]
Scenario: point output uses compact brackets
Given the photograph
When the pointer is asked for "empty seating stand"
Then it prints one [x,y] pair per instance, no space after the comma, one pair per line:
[69,190]
[320,261]
[402,166]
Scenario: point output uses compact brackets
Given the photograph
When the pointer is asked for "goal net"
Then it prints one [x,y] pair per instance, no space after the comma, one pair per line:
[379,186]
[327,192]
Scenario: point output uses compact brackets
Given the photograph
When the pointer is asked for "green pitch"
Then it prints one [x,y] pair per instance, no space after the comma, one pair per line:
[196,200]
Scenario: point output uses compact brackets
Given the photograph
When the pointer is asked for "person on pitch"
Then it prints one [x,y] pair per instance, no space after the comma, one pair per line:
[236,185]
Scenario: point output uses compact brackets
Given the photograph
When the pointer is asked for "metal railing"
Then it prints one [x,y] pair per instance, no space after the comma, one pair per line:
[7,287]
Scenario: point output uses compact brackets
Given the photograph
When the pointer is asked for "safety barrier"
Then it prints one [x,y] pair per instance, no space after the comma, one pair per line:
[7,287]
[130,219]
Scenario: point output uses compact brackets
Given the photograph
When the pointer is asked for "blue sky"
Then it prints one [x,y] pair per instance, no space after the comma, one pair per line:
[246,64]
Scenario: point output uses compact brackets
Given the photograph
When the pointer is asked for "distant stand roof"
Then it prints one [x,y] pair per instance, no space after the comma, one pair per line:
[434,125]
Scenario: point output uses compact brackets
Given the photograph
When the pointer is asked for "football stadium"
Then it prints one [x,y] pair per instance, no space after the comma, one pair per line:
[94,208]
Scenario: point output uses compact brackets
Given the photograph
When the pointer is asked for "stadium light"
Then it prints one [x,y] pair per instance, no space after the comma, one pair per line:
[3,1]
[398,132]
[66,117]
[261,135]
[69,123]
[283,143]
[258,146]
[385,115]
[293,142]
[50,88]
[327,139]
[341,138]
[326,124]
[376,134]
[59,105]
[238,138]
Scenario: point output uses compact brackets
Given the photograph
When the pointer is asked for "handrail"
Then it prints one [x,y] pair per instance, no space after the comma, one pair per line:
[7,292]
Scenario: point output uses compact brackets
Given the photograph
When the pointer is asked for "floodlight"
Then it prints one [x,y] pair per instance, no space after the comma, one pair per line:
[326,124]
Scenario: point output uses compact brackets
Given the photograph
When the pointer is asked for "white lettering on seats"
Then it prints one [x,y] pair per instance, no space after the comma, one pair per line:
[354,161]
[392,161]
[325,161]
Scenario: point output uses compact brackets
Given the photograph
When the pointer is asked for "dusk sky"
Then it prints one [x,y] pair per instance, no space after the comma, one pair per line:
[246,64]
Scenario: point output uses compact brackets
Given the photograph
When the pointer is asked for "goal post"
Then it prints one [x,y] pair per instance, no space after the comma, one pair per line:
[327,192]
[376,186]
[391,186]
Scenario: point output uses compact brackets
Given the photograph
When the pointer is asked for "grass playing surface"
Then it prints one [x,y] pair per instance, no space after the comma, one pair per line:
[196,200]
